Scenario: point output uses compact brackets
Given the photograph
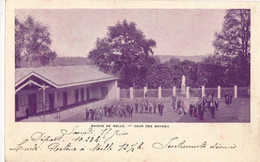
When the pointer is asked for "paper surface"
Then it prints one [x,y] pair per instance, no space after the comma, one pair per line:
[72,141]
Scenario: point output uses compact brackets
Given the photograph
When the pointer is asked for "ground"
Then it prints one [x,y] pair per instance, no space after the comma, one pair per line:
[239,112]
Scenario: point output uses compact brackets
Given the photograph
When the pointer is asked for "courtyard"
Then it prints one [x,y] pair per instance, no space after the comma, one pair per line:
[239,112]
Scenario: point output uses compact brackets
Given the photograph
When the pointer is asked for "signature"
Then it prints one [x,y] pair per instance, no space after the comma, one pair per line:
[173,143]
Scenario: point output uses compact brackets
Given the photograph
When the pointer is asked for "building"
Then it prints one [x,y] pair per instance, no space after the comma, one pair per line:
[44,89]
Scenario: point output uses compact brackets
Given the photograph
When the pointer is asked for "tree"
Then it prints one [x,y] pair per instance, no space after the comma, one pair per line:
[32,41]
[233,45]
[124,51]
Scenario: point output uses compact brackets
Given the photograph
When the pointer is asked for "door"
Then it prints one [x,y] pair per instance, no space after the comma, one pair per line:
[65,99]
[51,101]
[32,104]
[16,102]
[82,94]
[104,92]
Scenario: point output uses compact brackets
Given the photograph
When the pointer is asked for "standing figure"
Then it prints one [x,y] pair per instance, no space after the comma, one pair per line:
[159,108]
[90,113]
[191,109]
[212,109]
[182,108]
[216,105]
[146,107]
[227,100]
[58,113]
[178,104]
[195,111]
[142,107]
[87,114]
[162,107]
[27,113]
[201,111]
[131,111]
[136,106]
[105,109]
[154,107]
[174,102]
[150,107]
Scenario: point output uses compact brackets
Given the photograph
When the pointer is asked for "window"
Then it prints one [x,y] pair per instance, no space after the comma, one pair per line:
[76,96]
[82,94]
[87,90]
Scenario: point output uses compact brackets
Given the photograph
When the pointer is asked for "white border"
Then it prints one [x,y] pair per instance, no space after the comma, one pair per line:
[2,58]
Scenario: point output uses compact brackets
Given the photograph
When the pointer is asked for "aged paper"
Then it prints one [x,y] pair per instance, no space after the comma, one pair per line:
[129,141]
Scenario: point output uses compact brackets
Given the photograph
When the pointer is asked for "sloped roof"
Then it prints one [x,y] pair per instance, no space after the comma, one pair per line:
[63,76]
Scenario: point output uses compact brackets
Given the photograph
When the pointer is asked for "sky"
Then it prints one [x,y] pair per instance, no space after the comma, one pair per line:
[179,32]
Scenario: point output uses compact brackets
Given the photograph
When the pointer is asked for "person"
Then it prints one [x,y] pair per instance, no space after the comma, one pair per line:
[191,109]
[216,104]
[58,113]
[150,107]
[120,112]
[105,109]
[146,107]
[159,108]
[182,108]
[142,107]
[204,102]
[27,113]
[227,99]
[131,111]
[179,104]
[128,110]
[87,114]
[136,106]
[162,107]
[100,114]
[92,113]
[212,109]
[154,107]
[174,102]
[195,111]
[201,112]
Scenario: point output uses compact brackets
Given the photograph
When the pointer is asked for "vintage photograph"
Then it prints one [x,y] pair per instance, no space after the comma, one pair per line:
[132,65]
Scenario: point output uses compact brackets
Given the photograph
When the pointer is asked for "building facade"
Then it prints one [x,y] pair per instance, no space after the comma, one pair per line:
[45,89]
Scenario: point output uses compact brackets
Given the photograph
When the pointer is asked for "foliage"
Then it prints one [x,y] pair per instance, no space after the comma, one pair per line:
[232,45]
[32,41]
[124,51]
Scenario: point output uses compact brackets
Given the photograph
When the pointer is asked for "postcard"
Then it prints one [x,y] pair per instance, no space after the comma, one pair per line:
[131,81]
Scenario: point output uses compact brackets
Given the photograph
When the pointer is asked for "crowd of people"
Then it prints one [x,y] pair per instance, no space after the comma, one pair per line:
[206,104]
[124,109]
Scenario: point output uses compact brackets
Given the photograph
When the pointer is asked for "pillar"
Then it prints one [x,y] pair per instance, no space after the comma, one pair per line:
[235,91]
[202,91]
[145,91]
[160,92]
[43,97]
[174,91]
[131,93]
[219,91]
[56,99]
[188,92]
[117,93]
[43,100]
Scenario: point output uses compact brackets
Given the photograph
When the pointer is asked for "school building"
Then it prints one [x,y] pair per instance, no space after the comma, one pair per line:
[44,89]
